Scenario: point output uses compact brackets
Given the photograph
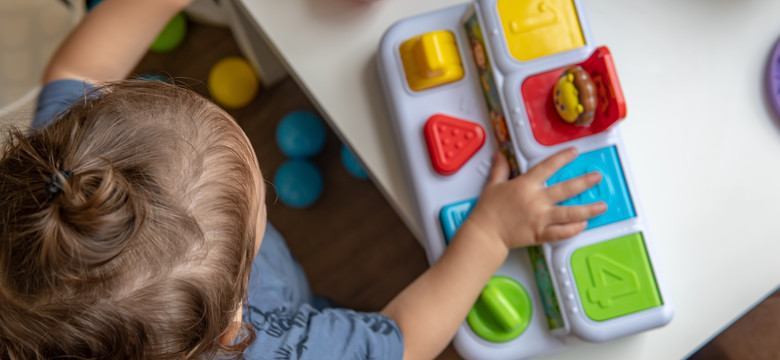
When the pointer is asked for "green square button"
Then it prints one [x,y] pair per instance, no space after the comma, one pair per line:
[615,278]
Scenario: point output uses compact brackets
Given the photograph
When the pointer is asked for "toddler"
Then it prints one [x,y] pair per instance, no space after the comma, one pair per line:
[134,226]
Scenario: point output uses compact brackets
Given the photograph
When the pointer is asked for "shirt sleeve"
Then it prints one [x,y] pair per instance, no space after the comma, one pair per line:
[55,97]
[330,334]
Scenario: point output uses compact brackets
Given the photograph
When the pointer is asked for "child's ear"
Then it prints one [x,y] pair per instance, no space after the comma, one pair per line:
[230,334]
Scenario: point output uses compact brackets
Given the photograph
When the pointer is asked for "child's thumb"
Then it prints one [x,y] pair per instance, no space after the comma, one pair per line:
[500,171]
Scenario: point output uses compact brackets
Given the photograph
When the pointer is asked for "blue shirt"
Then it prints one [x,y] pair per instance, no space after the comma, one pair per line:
[288,321]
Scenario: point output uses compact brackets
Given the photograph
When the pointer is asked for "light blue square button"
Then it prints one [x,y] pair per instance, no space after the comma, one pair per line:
[453,215]
[612,189]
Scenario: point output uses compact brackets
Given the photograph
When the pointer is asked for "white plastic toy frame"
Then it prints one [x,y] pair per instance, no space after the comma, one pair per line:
[409,111]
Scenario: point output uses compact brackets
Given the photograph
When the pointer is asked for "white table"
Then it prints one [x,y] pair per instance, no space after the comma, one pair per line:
[702,141]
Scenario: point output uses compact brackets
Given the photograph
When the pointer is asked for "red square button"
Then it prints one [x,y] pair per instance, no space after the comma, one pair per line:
[548,128]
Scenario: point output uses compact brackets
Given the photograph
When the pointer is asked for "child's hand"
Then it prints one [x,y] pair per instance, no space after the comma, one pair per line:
[523,212]
[509,214]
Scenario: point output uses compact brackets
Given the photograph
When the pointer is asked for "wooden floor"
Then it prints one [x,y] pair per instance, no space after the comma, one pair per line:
[352,245]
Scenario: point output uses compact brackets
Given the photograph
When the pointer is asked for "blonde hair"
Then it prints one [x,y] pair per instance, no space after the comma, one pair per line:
[146,249]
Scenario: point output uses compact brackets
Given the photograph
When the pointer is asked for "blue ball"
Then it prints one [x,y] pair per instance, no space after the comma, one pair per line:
[153,77]
[352,164]
[298,183]
[92,3]
[300,134]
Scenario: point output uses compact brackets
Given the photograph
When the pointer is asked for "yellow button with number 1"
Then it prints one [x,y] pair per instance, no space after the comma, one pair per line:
[536,28]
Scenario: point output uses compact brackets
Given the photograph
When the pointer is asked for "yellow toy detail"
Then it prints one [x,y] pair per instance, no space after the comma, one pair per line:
[537,28]
[574,97]
[431,60]
[567,102]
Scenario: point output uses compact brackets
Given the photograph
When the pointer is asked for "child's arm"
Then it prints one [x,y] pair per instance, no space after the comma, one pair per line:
[111,40]
[509,214]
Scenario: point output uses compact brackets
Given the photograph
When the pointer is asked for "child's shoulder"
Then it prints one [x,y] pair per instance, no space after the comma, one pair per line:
[55,97]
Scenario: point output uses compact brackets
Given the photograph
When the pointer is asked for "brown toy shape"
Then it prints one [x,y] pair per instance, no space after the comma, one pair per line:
[576,86]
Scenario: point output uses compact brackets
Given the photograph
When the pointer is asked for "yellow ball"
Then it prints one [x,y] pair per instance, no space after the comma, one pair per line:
[233,82]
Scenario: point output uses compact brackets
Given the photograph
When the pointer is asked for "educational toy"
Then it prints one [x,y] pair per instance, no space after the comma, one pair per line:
[528,73]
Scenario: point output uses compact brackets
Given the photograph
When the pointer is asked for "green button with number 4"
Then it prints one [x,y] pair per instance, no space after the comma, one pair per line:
[615,278]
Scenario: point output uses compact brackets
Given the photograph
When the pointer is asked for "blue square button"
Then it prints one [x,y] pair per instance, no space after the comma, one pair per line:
[453,215]
[612,189]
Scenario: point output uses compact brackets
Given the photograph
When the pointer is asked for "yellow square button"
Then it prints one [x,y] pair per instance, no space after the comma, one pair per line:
[536,28]
[431,60]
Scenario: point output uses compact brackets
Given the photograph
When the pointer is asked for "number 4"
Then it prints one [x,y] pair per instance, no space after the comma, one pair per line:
[611,280]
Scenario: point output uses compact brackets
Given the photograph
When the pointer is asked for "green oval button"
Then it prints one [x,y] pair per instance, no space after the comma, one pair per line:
[502,311]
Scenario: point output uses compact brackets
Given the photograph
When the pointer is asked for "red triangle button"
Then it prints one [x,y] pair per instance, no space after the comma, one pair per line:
[451,142]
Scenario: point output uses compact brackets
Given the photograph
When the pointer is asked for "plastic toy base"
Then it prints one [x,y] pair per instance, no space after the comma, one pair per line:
[489,92]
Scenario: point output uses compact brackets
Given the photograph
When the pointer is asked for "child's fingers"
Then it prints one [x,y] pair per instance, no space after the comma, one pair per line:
[542,171]
[573,187]
[570,214]
[563,231]
[500,171]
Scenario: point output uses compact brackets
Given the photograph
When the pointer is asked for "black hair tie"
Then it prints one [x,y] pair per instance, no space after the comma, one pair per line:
[54,186]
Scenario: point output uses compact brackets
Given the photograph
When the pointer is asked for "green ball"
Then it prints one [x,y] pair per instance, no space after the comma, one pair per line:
[172,36]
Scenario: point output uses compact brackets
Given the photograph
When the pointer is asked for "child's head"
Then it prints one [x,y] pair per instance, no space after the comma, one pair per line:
[128,228]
